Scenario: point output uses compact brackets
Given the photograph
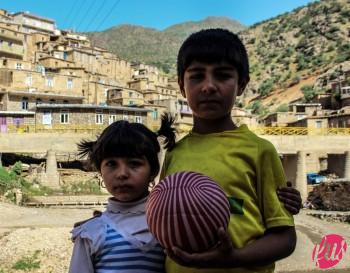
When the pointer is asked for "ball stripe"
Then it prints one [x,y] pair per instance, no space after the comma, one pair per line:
[186,209]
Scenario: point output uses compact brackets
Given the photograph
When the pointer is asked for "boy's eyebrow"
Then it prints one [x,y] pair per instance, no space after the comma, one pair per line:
[195,68]
[201,68]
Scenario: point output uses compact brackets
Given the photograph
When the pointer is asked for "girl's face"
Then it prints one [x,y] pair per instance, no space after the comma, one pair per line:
[126,178]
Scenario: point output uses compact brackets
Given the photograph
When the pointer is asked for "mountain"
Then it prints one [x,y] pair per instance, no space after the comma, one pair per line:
[285,52]
[296,46]
[159,48]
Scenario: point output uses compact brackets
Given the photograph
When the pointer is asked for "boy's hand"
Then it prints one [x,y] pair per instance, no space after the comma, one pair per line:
[218,256]
[290,197]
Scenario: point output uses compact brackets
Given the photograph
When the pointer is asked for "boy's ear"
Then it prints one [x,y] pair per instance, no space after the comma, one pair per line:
[242,86]
[181,85]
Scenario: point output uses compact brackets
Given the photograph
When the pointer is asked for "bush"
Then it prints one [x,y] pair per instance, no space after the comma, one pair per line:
[8,181]
[28,263]
[282,108]
[266,87]
[85,187]
[309,92]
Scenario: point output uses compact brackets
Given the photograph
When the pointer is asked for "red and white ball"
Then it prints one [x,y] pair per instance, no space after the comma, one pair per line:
[186,210]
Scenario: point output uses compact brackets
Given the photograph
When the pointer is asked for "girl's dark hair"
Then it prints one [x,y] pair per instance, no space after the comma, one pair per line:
[125,139]
[214,46]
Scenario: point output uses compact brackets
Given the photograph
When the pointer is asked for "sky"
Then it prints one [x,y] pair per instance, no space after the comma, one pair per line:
[98,15]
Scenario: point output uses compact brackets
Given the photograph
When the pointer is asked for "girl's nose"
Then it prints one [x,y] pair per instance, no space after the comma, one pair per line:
[122,172]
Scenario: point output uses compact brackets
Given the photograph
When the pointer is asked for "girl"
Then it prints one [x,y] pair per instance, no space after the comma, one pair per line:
[126,155]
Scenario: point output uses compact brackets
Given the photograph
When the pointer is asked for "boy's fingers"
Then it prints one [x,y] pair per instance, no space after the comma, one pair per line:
[289,184]
[224,239]
[289,195]
[291,209]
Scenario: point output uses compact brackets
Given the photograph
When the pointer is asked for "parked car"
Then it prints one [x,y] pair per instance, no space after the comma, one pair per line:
[315,178]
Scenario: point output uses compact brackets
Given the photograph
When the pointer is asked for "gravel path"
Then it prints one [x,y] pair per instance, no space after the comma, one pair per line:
[26,230]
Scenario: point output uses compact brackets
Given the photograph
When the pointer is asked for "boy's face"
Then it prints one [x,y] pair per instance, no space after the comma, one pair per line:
[211,89]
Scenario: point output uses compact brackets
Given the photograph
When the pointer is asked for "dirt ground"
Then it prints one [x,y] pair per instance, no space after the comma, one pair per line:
[24,231]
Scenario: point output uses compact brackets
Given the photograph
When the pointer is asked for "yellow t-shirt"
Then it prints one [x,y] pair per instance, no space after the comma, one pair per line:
[249,170]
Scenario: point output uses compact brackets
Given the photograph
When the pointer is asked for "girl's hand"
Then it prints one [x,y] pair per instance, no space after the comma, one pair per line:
[218,256]
[290,197]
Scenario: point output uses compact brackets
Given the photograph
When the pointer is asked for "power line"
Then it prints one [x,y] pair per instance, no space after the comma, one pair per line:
[70,11]
[86,13]
[110,11]
[77,11]
[96,14]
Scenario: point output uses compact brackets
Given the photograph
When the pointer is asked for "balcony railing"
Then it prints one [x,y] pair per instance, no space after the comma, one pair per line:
[288,131]
[95,128]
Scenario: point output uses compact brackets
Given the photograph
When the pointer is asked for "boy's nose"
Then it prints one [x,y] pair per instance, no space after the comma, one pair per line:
[209,85]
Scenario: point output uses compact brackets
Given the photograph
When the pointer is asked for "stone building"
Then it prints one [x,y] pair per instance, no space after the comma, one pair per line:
[84,117]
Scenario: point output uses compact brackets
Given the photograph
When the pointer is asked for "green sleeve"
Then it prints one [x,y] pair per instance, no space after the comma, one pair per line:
[165,165]
[270,177]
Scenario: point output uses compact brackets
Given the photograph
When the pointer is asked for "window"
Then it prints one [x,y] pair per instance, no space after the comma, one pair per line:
[29,80]
[24,104]
[99,117]
[49,81]
[318,124]
[70,83]
[131,102]
[38,101]
[130,94]
[64,117]
[155,114]
[112,118]
[138,117]
[19,66]
[125,115]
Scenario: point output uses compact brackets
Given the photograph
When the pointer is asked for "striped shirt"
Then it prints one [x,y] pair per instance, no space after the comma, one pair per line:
[118,241]
[119,255]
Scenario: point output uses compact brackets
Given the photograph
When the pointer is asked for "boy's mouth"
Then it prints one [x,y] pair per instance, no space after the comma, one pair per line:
[208,101]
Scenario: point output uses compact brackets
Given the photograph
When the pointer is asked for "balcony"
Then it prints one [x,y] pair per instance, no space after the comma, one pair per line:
[12,50]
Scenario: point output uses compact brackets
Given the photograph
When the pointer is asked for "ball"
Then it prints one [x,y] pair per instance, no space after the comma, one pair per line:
[186,209]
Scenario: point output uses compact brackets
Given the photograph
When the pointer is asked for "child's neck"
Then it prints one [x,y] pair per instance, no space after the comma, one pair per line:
[205,126]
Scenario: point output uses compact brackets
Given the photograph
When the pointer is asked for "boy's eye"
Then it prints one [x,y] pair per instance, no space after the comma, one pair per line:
[196,76]
[223,75]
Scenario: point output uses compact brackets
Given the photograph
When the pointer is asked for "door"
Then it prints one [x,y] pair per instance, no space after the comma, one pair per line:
[3,125]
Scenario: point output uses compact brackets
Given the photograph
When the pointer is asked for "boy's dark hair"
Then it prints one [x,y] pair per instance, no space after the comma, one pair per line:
[214,46]
[125,139]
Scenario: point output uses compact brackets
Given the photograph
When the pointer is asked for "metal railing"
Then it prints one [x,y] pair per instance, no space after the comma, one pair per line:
[96,128]
[288,131]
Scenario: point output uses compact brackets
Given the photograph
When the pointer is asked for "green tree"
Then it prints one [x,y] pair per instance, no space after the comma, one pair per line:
[309,92]
[266,87]
[282,108]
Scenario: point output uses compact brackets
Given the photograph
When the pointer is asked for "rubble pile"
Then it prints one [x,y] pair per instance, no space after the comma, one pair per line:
[330,196]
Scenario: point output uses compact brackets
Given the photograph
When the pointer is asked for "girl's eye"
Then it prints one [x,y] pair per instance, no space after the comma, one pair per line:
[110,163]
[135,163]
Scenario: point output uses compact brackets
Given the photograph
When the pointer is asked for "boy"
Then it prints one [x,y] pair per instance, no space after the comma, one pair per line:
[212,70]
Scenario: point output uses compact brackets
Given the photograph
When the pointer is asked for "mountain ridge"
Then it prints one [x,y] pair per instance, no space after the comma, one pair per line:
[283,50]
